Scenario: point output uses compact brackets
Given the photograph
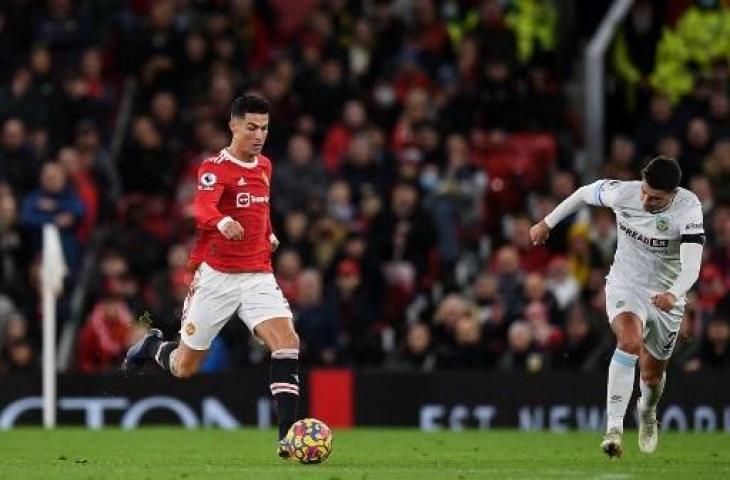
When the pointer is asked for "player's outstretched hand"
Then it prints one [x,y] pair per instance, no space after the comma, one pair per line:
[539,233]
[232,230]
[664,301]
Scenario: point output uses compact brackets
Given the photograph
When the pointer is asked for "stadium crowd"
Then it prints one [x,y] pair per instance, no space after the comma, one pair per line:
[414,143]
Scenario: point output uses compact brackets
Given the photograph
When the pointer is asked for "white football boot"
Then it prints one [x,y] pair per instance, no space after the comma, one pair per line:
[648,430]
[611,444]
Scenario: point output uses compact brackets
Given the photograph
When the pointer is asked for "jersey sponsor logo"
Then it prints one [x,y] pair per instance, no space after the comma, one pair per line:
[652,242]
[207,181]
[694,226]
[245,199]
[662,223]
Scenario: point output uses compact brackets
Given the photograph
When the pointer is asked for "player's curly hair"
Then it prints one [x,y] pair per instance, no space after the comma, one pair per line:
[662,173]
[249,103]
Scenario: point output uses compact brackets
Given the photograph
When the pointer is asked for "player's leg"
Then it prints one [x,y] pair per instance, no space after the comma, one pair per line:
[213,298]
[628,329]
[179,359]
[659,341]
[282,341]
[627,315]
[266,313]
[652,379]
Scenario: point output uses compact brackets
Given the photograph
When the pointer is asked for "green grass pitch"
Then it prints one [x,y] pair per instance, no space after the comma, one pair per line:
[361,454]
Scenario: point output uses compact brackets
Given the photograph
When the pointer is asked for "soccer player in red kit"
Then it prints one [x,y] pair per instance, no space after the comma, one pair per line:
[232,263]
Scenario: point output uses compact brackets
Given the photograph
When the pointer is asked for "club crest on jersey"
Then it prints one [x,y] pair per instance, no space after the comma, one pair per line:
[662,224]
[190,329]
[207,181]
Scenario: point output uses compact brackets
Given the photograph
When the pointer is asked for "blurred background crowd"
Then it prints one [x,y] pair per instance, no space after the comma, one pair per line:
[414,143]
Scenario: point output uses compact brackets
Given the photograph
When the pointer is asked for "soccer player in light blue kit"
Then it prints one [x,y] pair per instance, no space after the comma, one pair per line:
[658,259]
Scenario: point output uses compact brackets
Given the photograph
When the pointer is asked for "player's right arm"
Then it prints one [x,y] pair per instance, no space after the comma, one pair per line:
[205,208]
[599,193]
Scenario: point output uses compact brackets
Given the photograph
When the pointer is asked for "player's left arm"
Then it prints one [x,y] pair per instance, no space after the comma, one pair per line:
[273,240]
[690,255]
[272,237]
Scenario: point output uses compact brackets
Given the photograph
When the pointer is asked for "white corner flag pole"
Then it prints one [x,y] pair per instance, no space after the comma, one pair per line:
[53,269]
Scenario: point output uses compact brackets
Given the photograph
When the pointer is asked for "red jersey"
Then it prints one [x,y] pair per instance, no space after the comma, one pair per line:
[229,187]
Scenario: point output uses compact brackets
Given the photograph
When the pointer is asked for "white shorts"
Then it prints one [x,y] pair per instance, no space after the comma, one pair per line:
[660,328]
[215,296]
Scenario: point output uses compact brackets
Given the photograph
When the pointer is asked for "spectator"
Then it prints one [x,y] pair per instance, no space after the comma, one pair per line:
[14,252]
[509,278]
[490,312]
[294,235]
[54,202]
[698,147]
[468,350]
[603,237]
[147,165]
[300,181]
[660,123]
[85,186]
[580,343]
[360,170]
[17,352]
[454,199]
[533,258]
[536,295]
[105,337]
[356,314]
[315,320]
[288,269]
[20,101]
[95,159]
[521,354]
[715,350]
[719,114]
[18,168]
[416,353]
[338,138]
[717,168]
[621,163]
[561,283]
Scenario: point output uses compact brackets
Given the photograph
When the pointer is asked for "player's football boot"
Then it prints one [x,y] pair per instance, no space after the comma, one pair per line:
[648,430]
[142,351]
[282,450]
[611,444]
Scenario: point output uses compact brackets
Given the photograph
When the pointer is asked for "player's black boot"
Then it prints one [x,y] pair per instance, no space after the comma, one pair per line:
[282,450]
[142,351]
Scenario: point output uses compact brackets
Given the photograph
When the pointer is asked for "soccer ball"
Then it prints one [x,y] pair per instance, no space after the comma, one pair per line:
[309,441]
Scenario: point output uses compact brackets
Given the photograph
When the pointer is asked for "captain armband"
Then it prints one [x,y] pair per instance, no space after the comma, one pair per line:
[698,238]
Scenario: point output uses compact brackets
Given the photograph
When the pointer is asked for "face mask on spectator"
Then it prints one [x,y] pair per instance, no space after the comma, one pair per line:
[384,96]
[428,180]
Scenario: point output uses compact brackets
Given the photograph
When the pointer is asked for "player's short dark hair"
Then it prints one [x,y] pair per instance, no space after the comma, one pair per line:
[249,103]
[662,173]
